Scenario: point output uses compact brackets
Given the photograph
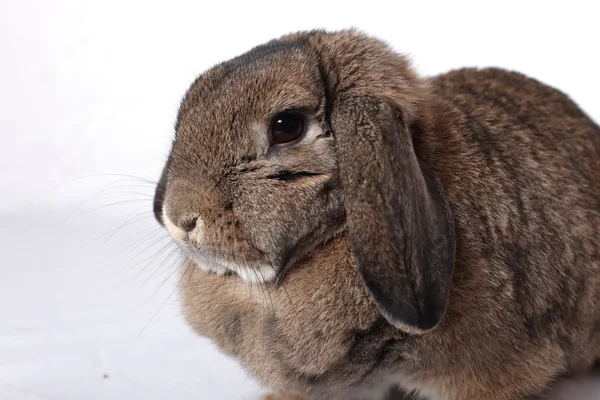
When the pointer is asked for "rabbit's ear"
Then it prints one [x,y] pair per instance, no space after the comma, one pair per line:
[400,225]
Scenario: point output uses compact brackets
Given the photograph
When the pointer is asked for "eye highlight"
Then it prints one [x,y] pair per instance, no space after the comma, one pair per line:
[287,126]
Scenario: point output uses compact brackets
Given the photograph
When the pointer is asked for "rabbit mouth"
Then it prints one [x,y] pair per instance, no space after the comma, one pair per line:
[211,264]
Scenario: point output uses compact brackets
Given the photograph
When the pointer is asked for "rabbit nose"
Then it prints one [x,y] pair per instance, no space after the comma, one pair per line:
[187,224]
[187,205]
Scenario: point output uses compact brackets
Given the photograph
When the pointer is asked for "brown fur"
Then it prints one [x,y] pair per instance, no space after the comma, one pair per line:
[443,235]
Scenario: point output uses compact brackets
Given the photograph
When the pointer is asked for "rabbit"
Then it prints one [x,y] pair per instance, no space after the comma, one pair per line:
[351,230]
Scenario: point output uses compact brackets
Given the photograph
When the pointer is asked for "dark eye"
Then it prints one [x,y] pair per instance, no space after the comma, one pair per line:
[287,126]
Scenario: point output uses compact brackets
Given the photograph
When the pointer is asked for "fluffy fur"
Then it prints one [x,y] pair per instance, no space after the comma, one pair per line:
[439,237]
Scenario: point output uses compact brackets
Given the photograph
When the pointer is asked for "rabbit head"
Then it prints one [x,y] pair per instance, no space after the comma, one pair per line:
[281,149]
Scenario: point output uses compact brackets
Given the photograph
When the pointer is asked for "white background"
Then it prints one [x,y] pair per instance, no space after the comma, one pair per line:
[88,96]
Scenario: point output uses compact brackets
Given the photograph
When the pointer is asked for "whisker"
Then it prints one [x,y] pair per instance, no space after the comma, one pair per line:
[151,195]
[133,177]
[172,268]
[164,303]
[192,269]
[99,193]
[293,308]
[131,264]
[165,235]
[173,251]
[269,292]
[148,261]
[165,254]
[235,281]
[260,289]
[250,286]
[104,206]
[141,216]
[137,185]
[157,235]
[132,243]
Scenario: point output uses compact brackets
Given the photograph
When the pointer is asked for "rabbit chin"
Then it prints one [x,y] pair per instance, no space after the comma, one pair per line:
[258,274]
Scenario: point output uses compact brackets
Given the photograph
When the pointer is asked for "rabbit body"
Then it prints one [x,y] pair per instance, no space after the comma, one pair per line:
[510,170]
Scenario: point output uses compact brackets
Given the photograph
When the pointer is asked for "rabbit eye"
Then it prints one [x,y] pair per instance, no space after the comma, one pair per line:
[287,126]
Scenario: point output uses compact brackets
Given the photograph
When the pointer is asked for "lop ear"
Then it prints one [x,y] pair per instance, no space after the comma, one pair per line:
[400,225]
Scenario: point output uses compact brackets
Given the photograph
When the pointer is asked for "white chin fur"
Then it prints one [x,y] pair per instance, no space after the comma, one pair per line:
[261,274]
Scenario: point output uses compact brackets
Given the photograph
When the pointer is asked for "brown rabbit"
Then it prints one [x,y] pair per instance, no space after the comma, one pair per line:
[353,231]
